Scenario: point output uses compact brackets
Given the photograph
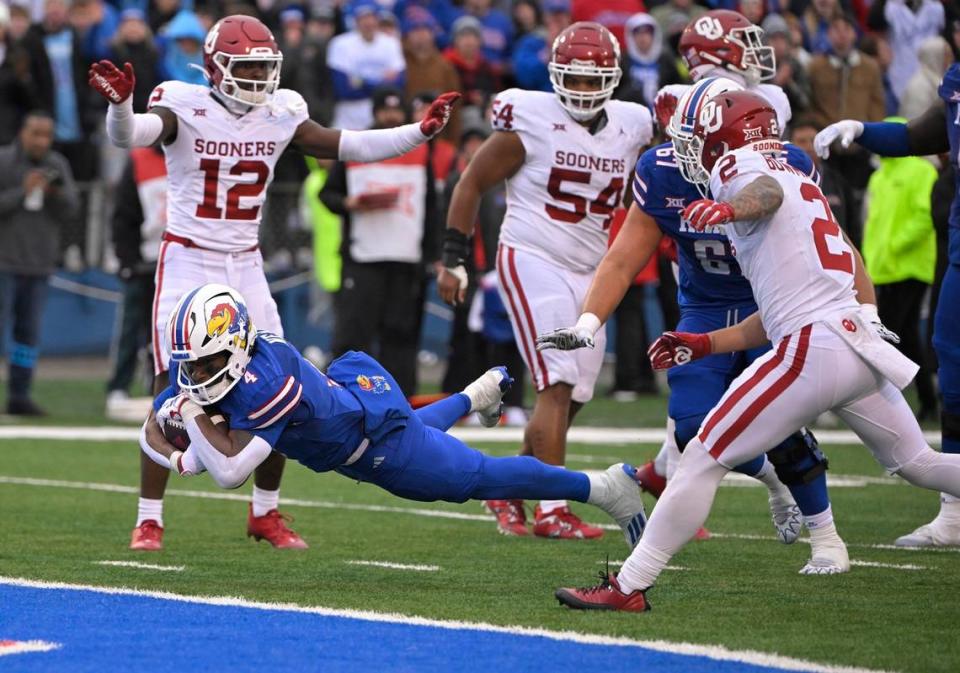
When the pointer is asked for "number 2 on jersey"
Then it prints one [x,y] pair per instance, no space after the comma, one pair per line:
[605,203]
[822,228]
[209,209]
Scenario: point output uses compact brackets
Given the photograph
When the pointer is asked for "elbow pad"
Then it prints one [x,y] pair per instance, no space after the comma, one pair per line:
[379,144]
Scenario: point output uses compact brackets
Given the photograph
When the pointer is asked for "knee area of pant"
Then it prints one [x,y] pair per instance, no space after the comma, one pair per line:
[685,431]
[798,459]
[915,470]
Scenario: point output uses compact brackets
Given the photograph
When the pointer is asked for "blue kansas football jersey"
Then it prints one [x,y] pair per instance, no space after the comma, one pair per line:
[950,93]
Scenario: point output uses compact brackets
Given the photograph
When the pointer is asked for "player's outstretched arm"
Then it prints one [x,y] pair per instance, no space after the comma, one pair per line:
[921,136]
[500,156]
[124,128]
[377,144]
[678,348]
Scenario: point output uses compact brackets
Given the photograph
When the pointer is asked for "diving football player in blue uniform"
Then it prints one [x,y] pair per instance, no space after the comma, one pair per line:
[936,131]
[354,419]
[712,294]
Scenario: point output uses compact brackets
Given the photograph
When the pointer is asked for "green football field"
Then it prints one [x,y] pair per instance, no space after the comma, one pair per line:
[68,505]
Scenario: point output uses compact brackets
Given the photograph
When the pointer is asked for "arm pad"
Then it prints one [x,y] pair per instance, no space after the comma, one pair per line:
[228,472]
[379,144]
[126,129]
[888,139]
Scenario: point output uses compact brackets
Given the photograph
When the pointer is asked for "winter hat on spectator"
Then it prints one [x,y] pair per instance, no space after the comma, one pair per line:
[389,97]
[361,7]
[132,14]
[774,24]
[467,23]
[556,6]
[294,13]
[418,17]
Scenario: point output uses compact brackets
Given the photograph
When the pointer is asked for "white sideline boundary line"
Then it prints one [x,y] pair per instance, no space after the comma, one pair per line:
[892,566]
[20,647]
[396,566]
[715,652]
[145,566]
[576,435]
[386,509]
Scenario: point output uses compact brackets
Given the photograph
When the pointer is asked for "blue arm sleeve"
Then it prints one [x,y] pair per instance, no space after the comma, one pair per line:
[888,139]
[167,393]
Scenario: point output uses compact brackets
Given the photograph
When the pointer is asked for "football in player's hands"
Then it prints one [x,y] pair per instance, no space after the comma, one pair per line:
[175,432]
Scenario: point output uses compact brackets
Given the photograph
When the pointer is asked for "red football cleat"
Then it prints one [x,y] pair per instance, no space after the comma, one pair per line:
[511,519]
[272,527]
[605,596]
[650,481]
[701,534]
[148,536]
[562,524]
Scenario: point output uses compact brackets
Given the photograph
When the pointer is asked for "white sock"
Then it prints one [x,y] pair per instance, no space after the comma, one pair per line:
[821,520]
[642,568]
[150,509]
[547,506]
[949,509]
[264,501]
[824,535]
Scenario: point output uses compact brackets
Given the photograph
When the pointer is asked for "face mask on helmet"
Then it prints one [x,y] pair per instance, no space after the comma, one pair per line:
[759,62]
[693,108]
[211,341]
[725,39]
[246,90]
[583,105]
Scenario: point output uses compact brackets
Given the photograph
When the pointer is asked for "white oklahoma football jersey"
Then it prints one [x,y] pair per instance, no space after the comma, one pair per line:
[561,201]
[797,261]
[220,165]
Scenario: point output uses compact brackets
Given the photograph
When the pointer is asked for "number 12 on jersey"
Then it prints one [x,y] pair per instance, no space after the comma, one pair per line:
[209,208]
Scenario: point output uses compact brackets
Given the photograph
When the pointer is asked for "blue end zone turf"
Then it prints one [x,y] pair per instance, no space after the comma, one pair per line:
[107,632]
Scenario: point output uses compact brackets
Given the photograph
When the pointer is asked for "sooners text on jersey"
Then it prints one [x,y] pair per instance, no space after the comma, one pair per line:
[220,165]
[561,201]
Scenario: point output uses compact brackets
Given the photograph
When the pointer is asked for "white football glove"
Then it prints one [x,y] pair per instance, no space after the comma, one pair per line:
[869,313]
[180,408]
[845,131]
[571,338]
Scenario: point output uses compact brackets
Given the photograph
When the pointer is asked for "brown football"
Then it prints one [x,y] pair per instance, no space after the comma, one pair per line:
[176,433]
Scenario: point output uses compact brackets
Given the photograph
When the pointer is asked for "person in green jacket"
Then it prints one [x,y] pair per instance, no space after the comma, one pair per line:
[900,251]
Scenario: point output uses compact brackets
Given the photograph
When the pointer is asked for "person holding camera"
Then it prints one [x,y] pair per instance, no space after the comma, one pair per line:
[37,194]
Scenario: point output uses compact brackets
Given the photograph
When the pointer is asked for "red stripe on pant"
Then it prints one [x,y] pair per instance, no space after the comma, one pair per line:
[531,329]
[742,390]
[766,397]
[157,365]
[502,272]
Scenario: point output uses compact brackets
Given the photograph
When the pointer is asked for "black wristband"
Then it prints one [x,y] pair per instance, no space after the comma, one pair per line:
[456,248]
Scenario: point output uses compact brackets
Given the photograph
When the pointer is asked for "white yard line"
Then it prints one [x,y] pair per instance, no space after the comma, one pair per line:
[386,509]
[395,566]
[579,435]
[715,652]
[21,646]
[892,566]
[145,566]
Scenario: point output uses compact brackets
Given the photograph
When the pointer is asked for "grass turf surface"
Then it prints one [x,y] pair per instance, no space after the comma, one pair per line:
[743,594]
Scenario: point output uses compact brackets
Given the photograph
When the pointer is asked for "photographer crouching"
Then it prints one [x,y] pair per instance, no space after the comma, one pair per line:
[37,194]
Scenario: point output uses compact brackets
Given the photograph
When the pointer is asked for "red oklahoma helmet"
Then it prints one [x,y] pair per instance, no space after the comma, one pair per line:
[722,38]
[732,120]
[241,39]
[585,49]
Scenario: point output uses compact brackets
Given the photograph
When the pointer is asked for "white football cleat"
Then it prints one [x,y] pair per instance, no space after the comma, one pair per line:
[617,492]
[486,395]
[786,516]
[933,534]
[828,559]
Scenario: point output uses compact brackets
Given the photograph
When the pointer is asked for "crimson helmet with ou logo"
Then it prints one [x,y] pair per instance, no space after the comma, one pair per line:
[241,39]
[693,111]
[729,121]
[585,49]
[726,39]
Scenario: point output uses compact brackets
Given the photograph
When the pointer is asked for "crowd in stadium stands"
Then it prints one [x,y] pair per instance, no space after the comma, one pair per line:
[363,63]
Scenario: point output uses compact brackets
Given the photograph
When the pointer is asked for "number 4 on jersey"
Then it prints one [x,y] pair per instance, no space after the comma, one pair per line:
[604,204]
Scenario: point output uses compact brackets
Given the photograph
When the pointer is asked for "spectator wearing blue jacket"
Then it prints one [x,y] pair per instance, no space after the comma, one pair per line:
[496,34]
[532,51]
[443,11]
[182,49]
[361,60]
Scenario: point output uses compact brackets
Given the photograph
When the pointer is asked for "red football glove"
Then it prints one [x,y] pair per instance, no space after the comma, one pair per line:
[663,108]
[678,348]
[438,114]
[706,213]
[110,82]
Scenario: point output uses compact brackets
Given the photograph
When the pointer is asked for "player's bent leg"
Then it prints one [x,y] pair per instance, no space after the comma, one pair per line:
[264,519]
[681,510]
[147,534]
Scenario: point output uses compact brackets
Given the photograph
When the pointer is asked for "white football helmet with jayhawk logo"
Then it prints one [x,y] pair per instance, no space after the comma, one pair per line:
[210,320]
